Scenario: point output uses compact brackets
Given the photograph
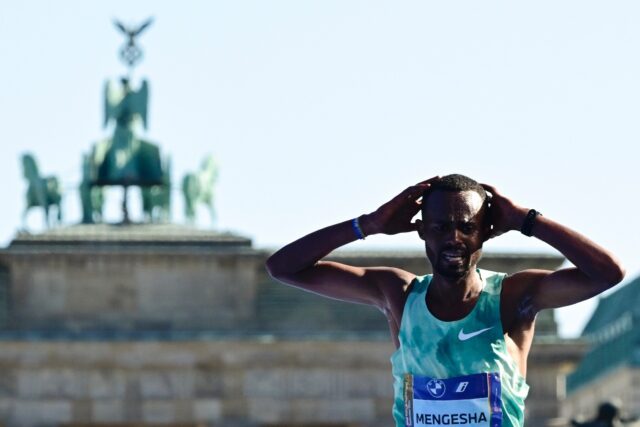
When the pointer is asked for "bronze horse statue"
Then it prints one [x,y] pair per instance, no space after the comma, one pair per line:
[156,200]
[44,192]
[198,188]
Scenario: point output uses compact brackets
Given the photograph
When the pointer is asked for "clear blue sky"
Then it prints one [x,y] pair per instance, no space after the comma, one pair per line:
[319,111]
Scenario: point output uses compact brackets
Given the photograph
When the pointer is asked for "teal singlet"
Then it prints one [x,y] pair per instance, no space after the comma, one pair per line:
[458,372]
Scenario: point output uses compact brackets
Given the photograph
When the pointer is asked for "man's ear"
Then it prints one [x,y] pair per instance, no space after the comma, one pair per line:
[488,220]
[420,228]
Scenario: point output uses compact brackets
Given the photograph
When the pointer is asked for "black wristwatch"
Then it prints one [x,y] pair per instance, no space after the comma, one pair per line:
[527,224]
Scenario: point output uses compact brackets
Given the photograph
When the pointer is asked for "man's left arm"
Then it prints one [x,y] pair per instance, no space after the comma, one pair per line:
[596,269]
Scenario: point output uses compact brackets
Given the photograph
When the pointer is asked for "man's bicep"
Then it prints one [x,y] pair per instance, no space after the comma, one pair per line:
[554,289]
[343,282]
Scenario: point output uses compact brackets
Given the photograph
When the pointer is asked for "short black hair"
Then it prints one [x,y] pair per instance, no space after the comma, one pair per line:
[455,183]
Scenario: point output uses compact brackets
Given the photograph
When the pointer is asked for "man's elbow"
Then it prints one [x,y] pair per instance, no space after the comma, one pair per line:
[613,274]
[278,269]
[273,269]
[617,274]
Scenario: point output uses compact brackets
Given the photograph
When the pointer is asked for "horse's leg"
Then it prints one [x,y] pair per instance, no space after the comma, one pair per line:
[212,212]
[46,215]
[24,217]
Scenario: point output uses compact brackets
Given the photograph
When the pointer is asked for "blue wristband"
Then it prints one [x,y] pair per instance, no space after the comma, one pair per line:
[355,224]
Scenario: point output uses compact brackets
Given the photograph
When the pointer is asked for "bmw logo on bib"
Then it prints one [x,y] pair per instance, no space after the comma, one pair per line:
[436,388]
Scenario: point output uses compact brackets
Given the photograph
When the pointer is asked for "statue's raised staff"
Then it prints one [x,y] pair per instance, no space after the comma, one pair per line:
[130,53]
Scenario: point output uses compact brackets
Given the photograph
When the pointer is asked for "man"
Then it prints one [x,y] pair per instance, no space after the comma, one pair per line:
[608,416]
[462,334]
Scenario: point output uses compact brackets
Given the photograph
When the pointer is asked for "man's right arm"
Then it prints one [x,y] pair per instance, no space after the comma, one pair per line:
[300,263]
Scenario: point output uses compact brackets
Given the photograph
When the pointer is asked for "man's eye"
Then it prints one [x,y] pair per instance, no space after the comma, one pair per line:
[468,228]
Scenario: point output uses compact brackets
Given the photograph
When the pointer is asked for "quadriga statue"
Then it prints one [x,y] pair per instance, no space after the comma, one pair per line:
[125,159]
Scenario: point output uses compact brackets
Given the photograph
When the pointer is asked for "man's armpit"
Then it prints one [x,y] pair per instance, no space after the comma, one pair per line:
[518,298]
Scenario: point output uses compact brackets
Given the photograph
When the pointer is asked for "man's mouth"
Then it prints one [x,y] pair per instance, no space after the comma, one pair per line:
[453,255]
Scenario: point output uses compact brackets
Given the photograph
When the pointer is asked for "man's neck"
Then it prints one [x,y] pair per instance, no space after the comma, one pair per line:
[451,291]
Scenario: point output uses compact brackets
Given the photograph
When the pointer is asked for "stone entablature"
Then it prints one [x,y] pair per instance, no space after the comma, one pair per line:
[127,280]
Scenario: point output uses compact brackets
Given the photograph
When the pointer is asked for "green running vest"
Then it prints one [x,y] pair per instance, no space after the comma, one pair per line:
[431,347]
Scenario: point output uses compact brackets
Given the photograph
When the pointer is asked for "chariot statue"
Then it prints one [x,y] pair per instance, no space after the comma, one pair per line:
[125,159]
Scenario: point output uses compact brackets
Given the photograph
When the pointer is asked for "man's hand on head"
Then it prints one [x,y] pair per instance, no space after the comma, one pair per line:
[396,215]
[504,214]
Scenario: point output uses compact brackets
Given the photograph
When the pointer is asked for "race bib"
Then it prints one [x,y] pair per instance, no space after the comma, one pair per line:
[470,401]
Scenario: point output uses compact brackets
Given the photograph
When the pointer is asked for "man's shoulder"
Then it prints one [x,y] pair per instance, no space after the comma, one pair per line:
[490,274]
[391,276]
[492,280]
[524,278]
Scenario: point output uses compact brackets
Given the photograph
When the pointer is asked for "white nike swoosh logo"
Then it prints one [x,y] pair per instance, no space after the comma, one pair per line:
[463,337]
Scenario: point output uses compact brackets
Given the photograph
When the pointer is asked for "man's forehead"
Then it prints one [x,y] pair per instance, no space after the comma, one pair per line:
[452,204]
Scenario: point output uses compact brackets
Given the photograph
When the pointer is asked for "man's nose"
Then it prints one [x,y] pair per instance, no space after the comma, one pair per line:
[454,235]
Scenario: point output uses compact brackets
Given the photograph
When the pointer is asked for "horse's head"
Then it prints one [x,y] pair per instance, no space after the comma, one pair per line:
[209,168]
[29,167]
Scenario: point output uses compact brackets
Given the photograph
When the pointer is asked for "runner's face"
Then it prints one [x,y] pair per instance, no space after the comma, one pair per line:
[453,231]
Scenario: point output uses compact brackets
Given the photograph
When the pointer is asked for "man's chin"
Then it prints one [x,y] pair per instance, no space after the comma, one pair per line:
[452,273]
